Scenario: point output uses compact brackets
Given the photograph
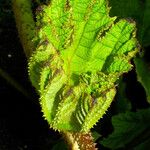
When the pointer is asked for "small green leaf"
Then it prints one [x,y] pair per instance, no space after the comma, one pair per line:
[60,146]
[130,130]
[143,75]
[121,103]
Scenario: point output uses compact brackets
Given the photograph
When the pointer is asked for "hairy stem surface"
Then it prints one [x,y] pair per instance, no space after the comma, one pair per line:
[25,24]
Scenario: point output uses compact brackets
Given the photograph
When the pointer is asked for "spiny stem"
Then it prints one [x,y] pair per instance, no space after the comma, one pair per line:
[80,141]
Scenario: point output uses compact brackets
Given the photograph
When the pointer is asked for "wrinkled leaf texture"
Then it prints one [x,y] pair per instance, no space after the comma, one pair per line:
[80,55]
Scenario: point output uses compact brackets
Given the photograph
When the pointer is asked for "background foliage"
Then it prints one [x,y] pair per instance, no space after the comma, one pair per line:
[126,125]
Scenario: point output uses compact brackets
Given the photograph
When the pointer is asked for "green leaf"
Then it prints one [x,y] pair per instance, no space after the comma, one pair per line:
[143,146]
[60,146]
[130,130]
[80,55]
[138,10]
[143,75]
[121,103]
